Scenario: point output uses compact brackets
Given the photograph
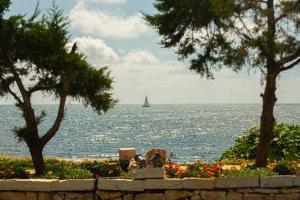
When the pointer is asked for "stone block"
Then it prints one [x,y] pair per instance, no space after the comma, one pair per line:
[293,196]
[197,192]
[148,173]
[107,195]
[195,197]
[234,196]
[88,196]
[128,197]
[121,185]
[213,195]
[58,196]
[177,194]
[296,181]
[150,196]
[276,181]
[198,183]
[162,184]
[237,182]
[127,153]
[73,185]
[44,196]
[265,191]
[290,190]
[31,196]
[258,197]
[244,190]
[12,196]
[40,185]
[74,196]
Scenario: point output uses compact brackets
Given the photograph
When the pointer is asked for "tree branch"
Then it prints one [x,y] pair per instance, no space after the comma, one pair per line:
[39,88]
[289,58]
[29,115]
[60,113]
[283,15]
[19,82]
[10,91]
[291,65]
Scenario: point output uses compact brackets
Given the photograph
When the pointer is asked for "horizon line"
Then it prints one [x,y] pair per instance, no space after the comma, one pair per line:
[12,104]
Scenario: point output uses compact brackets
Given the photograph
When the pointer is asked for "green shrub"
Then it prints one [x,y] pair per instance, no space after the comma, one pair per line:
[13,167]
[285,144]
[250,172]
[285,168]
[108,168]
[64,169]
[66,172]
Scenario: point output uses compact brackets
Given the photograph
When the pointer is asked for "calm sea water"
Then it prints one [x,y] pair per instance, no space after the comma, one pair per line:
[190,131]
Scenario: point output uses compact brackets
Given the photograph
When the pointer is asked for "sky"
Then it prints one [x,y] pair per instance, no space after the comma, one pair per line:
[113,33]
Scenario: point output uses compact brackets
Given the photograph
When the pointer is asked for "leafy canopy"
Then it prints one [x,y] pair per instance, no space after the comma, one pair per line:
[285,144]
[234,33]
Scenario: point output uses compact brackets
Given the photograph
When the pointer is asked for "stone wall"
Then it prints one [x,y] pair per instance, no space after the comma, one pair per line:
[233,188]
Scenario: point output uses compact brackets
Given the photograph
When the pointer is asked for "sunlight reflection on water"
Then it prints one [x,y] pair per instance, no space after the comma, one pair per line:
[191,131]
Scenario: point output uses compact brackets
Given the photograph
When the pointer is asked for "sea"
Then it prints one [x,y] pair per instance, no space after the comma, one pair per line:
[190,131]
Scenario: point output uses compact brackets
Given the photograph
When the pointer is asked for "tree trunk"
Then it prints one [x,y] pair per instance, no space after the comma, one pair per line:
[267,120]
[38,159]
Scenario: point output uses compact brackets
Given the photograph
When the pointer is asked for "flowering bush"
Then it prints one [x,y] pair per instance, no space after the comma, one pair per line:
[284,167]
[11,167]
[14,167]
[174,170]
[196,169]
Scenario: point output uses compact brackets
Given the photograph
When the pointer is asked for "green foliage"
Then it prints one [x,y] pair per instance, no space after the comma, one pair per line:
[11,167]
[285,144]
[40,43]
[212,34]
[124,164]
[285,168]
[66,170]
[14,167]
[4,4]
[108,168]
[249,172]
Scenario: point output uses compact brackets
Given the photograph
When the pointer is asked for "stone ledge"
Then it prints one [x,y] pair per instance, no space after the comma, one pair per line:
[237,182]
[162,184]
[277,181]
[240,183]
[296,181]
[198,183]
[148,173]
[121,185]
[41,185]
[73,185]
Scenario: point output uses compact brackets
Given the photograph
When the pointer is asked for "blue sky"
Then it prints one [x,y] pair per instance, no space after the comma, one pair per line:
[113,33]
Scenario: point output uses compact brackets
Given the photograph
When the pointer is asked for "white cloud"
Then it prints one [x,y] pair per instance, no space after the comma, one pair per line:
[97,52]
[140,57]
[139,73]
[108,1]
[106,24]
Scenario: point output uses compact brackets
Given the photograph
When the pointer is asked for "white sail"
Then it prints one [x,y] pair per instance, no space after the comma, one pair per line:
[146,103]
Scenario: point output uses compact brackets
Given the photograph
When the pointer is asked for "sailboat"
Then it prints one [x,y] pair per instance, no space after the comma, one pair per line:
[146,103]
